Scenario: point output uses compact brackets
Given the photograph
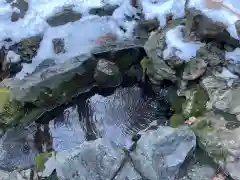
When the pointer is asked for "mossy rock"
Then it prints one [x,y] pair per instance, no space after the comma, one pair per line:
[10,111]
[195,104]
[175,101]
[176,120]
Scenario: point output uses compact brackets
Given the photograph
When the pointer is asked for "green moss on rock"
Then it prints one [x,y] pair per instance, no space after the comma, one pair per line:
[195,104]
[176,120]
[40,160]
[10,111]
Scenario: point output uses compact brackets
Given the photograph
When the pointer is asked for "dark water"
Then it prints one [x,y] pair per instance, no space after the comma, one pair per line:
[116,115]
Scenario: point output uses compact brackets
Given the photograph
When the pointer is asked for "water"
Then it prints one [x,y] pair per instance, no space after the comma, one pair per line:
[116,115]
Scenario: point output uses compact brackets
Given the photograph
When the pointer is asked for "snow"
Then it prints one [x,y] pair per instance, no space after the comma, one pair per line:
[234,55]
[226,74]
[161,8]
[78,36]
[221,15]
[12,57]
[176,45]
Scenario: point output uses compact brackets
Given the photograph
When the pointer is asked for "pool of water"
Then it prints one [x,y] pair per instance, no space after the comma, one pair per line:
[116,115]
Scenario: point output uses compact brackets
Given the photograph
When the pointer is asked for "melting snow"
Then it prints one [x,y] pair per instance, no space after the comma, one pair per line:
[234,55]
[176,45]
[161,8]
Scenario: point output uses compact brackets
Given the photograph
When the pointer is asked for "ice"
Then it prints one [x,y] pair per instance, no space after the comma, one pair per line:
[176,45]
[161,8]
[221,15]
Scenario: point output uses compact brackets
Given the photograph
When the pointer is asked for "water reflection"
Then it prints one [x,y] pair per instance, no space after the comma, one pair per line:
[117,117]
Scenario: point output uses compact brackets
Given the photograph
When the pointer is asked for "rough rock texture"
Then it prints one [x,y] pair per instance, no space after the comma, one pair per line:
[48,87]
[205,28]
[106,10]
[27,48]
[157,69]
[194,69]
[63,17]
[4,175]
[156,158]
[221,96]
[58,45]
[220,142]
[107,74]
[158,154]
[21,6]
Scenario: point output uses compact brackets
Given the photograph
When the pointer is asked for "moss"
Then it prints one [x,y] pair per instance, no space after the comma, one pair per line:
[176,120]
[10,111]
[195,104]
[40,160]
[175,101]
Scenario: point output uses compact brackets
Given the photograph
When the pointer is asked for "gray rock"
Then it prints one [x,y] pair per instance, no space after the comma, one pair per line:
[205,28]
[22,6]
[58,45]
[144,27]
[201,172]
[106,10]
[64,17]
[160,154]
[159,70]
[91,160]
[17,148]
[135,72]
[50,86]
[107,74]
[194,69]
[27,48]
[128,173]
[237,25]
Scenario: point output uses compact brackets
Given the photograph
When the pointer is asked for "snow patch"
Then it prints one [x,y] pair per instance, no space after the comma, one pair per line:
[176,45]
[234,55]
[12,57]
[221,15]
[161,8]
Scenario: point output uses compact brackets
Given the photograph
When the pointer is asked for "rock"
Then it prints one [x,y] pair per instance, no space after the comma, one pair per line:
[64,17]
[128,172]
[9,110]
[196,100]
[176,120]
[219,142]
[92,160]
[18,150]
[202,172]
[27,48]
[144,27]
[106,10]
[160,153]
[107,74]
[21,6]
[212,55]
[14,175]
[157,68]
[194,69]
[237,25]
[50,86]
[205,28]
[135,73]
[58,45]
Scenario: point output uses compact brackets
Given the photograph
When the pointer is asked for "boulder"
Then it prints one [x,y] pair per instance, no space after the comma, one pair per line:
[205,27]
[219,141]
[107,74]
[160,154]
[106,10]
[63,17]
[27,48]
[91,160]
[194,69]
